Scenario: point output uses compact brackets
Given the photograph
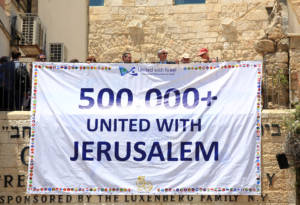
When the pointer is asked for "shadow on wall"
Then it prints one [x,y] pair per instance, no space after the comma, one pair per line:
[136,32]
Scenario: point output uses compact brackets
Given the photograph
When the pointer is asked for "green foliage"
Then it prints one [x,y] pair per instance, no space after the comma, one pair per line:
[293,143]
[293,138]
[297,114]
[280,78]
[283,80]
[293,124]
[296,124]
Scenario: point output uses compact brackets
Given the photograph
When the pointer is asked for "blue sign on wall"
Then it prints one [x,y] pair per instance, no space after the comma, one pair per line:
[96,2]
[189,1]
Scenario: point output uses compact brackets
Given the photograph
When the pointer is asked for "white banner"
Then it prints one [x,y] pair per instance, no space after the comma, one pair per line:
[146,129]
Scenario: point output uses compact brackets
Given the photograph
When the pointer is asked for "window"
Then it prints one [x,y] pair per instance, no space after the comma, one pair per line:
[189,2]
[96,2]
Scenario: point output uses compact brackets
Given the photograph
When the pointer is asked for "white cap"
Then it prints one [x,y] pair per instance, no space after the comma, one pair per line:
[185,55]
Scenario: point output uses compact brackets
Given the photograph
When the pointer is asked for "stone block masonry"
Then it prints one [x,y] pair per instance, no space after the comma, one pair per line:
[231,30]
[142,27]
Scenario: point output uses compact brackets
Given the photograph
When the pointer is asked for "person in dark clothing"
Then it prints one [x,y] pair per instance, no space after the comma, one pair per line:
[7,86]
[4,59]
[15,56]
[14,84]
[22,85]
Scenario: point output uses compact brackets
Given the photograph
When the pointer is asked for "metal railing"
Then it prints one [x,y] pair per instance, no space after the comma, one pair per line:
[15,86]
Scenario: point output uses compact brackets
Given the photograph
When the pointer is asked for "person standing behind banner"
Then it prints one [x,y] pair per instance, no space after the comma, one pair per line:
[41,58]
[75,60]
[203,53]
[126,57]
[8,83]
[185,58]
[91,59]
[22,82]
[4,59]
[162,54]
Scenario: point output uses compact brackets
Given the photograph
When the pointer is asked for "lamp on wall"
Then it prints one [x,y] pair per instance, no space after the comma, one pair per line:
[282,161]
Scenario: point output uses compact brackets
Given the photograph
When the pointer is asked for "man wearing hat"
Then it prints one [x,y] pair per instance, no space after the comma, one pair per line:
[162,54]
[41,58]
[203,53]
[185,58]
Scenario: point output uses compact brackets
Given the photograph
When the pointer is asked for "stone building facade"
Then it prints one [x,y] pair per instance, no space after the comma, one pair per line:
[227,28]
[230,29]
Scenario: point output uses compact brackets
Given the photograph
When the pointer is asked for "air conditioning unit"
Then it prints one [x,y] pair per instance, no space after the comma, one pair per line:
[57,52]
[31,31]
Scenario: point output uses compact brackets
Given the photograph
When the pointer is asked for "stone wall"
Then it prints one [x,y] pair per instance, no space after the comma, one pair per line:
[295,69]
[228,28]
[231,30]
[281,52]
[274,46]
[278,186]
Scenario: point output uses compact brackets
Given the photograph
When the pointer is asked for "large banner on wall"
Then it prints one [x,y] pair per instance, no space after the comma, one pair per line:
[146,129]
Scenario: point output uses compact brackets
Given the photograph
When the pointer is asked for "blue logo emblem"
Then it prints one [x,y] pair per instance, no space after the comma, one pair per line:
[124,71]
